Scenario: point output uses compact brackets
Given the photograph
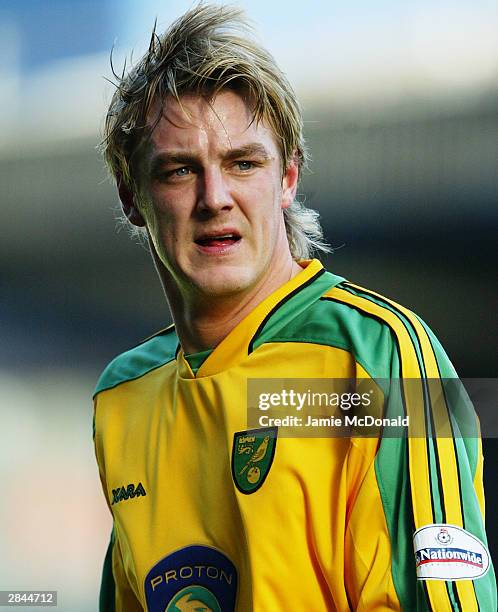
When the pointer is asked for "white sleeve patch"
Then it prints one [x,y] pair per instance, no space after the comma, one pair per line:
[448,552]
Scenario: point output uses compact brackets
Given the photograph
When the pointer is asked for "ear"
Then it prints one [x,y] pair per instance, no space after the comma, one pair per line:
[130,208]
[289,182]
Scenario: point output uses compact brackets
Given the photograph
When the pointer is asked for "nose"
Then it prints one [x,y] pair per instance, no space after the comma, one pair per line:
[214,193]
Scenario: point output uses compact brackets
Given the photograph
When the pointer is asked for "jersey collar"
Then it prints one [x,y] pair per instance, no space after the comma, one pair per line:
[270,315]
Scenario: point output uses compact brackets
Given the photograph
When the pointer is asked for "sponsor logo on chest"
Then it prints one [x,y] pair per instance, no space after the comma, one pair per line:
[195,579]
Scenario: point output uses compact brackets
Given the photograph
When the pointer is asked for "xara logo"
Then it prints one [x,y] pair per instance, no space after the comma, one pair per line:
[128,492]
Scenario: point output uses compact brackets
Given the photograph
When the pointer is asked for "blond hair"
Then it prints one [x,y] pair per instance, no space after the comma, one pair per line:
[203,53]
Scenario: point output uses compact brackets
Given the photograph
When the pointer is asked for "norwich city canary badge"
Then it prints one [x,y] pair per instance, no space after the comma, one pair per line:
[252,456]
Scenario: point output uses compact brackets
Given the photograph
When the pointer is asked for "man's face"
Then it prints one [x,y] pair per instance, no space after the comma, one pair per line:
[211,193]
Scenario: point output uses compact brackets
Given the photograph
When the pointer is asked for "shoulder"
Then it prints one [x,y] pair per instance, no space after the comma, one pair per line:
[153,352]
[418,351]
[386,338]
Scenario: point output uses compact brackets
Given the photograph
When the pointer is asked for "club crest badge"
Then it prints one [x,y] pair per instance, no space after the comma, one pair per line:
[252,457]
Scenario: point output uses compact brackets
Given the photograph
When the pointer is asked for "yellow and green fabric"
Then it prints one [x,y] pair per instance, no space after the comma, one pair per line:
[321,523]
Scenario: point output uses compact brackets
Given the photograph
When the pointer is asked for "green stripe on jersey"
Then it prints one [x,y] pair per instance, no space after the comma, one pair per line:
[147,356]
[409,327]
[467,450]
[460,403]
[107,596]
[292,306]
[392,473]
[432,458]
[395,486]
[195,360]
[329,323]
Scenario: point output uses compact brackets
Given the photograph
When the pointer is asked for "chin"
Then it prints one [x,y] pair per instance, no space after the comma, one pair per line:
[224,283]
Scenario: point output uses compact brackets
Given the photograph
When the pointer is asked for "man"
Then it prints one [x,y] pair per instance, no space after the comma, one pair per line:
[204,138]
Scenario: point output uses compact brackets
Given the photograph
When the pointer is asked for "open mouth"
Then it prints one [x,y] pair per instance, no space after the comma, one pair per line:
[218,240]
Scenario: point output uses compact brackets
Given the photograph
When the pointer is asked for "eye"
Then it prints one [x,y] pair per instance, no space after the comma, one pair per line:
[181,171]
[245,165]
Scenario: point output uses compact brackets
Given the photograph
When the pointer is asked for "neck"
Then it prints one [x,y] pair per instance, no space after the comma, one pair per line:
[202,322]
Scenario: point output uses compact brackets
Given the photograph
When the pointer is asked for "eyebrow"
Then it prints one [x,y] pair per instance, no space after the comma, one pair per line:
[187,157]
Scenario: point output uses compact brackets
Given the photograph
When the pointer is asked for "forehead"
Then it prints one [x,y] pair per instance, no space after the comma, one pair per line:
[197,123]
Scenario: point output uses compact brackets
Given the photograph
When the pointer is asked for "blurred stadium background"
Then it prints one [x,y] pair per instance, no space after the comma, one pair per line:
[400,102]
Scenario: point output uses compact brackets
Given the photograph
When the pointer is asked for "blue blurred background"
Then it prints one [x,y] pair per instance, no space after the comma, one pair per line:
[400,102]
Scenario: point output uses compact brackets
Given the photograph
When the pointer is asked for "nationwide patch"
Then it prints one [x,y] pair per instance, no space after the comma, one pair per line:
[192,579]
[252,456]
[448,552]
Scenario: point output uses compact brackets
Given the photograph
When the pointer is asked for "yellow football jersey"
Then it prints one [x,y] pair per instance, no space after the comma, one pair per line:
[210,514]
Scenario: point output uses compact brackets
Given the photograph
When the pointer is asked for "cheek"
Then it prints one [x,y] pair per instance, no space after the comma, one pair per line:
[171,234]
[265,208]
[166,218]
[265,198]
